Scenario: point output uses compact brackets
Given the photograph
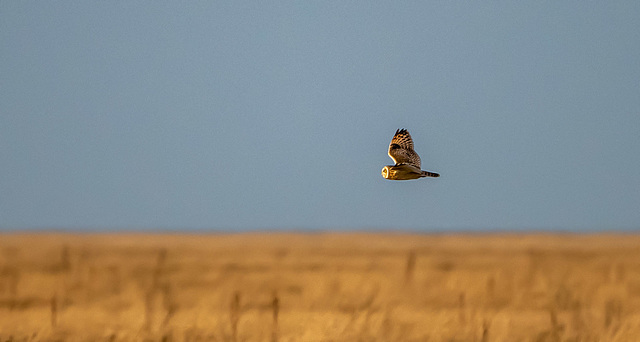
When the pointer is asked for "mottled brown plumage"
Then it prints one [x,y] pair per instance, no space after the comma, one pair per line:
[407,160]
[401,149]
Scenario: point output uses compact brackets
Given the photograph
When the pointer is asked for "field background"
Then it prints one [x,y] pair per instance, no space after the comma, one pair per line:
[319,287]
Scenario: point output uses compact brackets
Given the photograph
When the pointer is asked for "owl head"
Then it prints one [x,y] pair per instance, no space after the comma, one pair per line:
[386,171]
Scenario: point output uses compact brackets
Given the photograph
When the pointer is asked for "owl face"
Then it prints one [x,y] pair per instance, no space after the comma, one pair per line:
[386,172]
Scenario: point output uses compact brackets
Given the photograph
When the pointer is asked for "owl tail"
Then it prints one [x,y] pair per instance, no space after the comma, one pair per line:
[429,174]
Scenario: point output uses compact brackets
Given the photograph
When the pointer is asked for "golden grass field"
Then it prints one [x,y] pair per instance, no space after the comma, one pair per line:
[319,287]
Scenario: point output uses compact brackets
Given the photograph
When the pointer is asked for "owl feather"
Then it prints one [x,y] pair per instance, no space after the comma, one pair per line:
[401,149]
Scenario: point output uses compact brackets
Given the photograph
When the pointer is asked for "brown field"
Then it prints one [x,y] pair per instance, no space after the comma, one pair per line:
[319,287]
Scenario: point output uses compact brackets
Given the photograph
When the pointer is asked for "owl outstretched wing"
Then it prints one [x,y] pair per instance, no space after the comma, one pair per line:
[401,149]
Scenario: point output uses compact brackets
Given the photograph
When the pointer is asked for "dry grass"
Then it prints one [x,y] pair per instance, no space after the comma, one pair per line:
[319,287]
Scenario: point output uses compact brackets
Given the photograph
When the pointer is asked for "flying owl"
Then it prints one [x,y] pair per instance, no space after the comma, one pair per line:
[407,160]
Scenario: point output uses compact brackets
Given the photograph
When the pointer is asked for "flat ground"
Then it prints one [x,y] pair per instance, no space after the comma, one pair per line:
[319,287]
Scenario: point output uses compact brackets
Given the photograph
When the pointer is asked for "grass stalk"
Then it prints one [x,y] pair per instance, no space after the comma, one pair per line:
[410,267]
[234,316]
[275,306]
[54,310]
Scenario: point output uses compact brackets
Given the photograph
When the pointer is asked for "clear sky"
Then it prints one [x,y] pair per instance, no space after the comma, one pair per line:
[278,114]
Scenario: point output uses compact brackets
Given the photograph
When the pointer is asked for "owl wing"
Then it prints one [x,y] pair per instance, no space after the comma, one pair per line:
[401,149]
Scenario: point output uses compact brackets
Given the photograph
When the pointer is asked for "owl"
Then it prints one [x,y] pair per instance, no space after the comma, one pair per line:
[407,160]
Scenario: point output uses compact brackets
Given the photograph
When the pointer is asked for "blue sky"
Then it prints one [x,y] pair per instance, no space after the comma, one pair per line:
[278,115]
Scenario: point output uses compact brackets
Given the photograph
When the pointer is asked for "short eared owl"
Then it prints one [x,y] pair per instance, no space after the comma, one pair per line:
[407,160]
